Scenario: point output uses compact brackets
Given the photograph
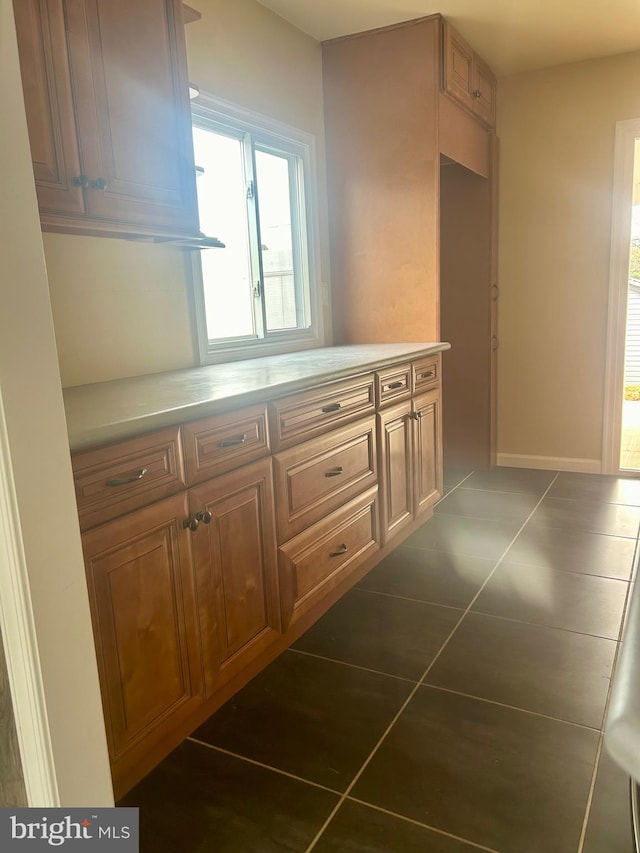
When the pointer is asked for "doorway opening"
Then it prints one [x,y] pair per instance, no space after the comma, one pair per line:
[630,435]
[621,415]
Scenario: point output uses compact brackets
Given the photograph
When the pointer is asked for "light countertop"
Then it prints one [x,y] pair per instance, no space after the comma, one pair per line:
[123,408]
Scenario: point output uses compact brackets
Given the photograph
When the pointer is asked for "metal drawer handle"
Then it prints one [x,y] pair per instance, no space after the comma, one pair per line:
[334,472]
[122,481]
[428,375]
[393,385]
[233,442]
[332,407]
[341,550]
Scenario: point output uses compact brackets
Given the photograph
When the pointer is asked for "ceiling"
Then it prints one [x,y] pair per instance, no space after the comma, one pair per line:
[511,35]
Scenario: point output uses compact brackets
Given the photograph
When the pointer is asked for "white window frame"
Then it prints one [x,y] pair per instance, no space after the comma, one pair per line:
[266,133]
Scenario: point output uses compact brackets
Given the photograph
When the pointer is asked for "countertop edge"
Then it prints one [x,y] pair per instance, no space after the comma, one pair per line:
[98,430]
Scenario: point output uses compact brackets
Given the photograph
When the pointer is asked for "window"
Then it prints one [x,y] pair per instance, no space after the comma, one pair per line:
[258,295]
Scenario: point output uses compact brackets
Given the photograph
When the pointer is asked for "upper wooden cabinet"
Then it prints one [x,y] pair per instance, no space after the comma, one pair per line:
[467,78]
[106,94]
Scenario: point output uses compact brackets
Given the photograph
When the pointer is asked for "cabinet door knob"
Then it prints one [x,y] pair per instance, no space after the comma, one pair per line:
[495,343]
[191,523]
[495,290]
[341,550]
[98,184]
[122,481]
[80,181]
[477,93]
[204,516]
[413,416]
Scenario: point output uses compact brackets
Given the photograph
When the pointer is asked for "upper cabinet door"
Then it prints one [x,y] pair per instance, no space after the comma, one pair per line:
[484,92]
[466,77]
[457,66]
[49,105]
[123,65]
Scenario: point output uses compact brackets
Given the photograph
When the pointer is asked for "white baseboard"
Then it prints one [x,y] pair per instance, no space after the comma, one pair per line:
[550,463]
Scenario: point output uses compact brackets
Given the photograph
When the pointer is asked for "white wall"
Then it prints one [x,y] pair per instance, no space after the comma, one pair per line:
[556,130]
[46,527]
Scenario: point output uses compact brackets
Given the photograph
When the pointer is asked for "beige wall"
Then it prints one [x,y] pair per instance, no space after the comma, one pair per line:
[556,131]
[37,486]
[123,309]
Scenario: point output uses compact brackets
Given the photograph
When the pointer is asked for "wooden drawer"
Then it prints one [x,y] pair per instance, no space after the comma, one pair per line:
[217,444]
[317,560]
[111,481]
[316,477]
[426,373]
[393,384]
[310,413]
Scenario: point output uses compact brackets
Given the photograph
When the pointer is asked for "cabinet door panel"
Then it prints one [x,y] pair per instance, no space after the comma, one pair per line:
[132,111]
[141,590]
[396,468]
[484,89]
[427,467]
[236,570]
[457,66]
[46,81]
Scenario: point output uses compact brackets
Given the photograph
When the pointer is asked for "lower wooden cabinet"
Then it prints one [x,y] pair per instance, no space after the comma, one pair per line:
[234,547]
[192,593]
[141,589]
[319,558]
[410,461]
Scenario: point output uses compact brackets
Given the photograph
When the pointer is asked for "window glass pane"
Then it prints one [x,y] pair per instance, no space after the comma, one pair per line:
[226,273]
[272,174]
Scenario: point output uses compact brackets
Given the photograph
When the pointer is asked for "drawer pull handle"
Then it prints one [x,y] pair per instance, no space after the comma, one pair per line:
[334,472]
[122,481]
[428,375]
[332,407]
[233,442]
[341,550]
[393,385]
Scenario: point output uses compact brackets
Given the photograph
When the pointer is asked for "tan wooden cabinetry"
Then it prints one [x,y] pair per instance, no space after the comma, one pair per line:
[141,590]
[467,78]
[106,95]
[234,548]
[207,555]
[410,457]
[411,185]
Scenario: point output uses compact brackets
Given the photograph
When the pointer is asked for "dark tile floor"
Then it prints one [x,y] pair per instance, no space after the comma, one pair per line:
[452,702]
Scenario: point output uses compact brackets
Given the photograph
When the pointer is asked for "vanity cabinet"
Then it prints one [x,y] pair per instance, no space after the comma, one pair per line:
[212,545]
[106,95]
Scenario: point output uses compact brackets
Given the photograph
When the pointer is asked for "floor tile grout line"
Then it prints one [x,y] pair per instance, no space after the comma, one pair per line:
[536,526]
[408,598]
[422,825]
[263,766]
[512,707]
[596,766]
[550,627]
[354,666]
[417,687]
